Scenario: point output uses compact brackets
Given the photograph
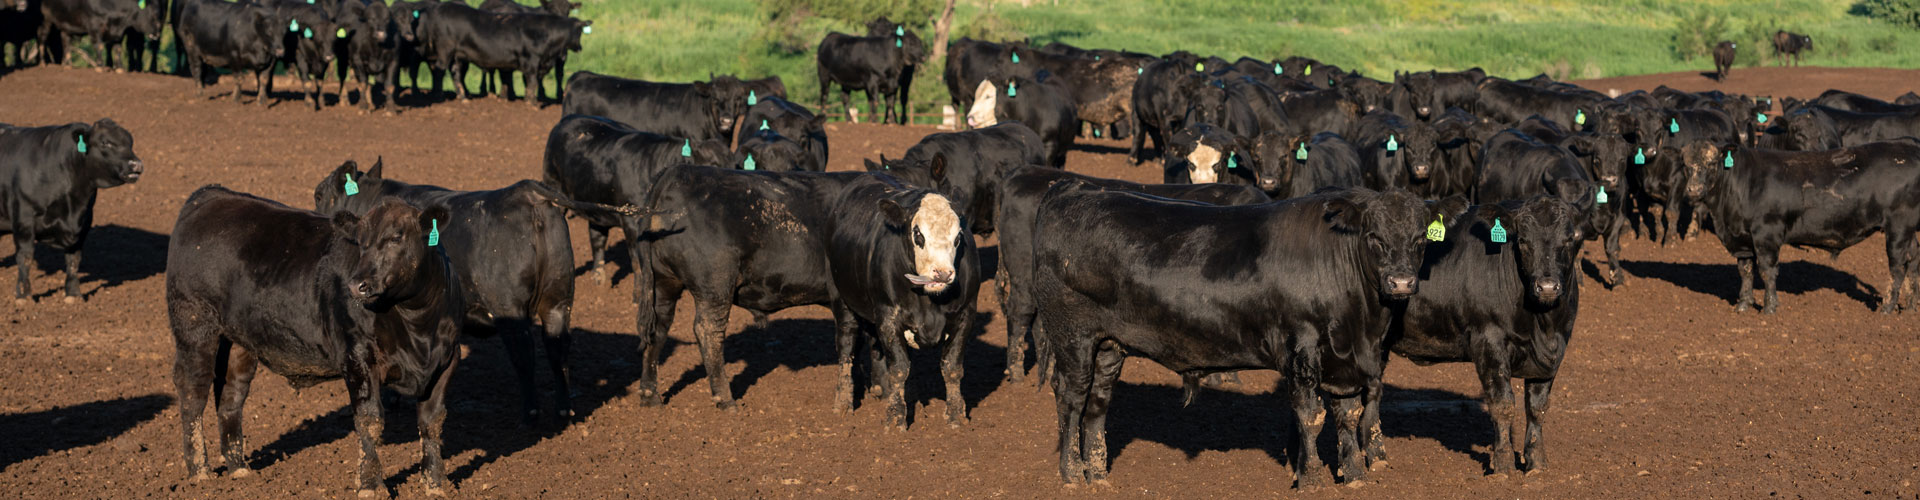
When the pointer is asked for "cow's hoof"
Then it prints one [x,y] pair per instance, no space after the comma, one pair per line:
[436,491]
[200,476]
[600,276]
[1309,482]
[1742,307]
[367,493]
[240,472]
[1102,483]
[21,302]
[1497,476]
[1377,465]
[1769,310]
[733,407]
[1355,484]
[647,398]
[71,299]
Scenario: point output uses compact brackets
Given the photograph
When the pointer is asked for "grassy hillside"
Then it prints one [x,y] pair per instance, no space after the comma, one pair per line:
[686,39]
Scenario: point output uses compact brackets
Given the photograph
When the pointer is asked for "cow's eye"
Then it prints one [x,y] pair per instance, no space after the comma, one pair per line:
[918,240]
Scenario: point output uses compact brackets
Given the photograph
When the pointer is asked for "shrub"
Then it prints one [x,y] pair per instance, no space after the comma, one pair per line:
[1695,34]
[1901,12]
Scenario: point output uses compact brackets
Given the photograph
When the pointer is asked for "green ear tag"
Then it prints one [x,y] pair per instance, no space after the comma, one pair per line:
[293,25]
[749,163]
[899,31]
[1140,70]
[1640,156]
[1012,91]
[1233,160]
[1096,133]
[1199,66]
[686,149]
[1096,57]
[584,30]
[1276,68]
[1308,71]
[1579,117]
[433,236]
[1016,58]
[1673,125]
[1498,233]
[1729,162]
[752,98]
[896,43]
[1600,197]
[763,125]
[1300,154]
[1437,231]
[352,188]
[306,32]
[1392,145]
[416,14]
[82,145]
[143,4]
[340,33]
[1761,117]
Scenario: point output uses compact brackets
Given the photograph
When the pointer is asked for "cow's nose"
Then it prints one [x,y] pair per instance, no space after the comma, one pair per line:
[1609,179]
[137,166]
[380,36]
[943,276]
[1421,171]
[362,290]
[1400,285]
[1547,290]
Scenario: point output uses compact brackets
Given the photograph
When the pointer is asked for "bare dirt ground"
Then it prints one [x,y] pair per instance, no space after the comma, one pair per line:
[1665,391]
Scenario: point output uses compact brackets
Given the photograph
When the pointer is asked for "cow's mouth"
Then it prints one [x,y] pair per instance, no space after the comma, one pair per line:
[935,285]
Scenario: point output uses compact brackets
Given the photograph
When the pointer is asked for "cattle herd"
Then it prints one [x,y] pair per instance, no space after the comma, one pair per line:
[1313,220]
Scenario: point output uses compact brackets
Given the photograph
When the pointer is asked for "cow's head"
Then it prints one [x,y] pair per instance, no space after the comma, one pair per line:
[726,100]
[349,189]
[1420,150]
[1810,129]
[881,26]
[267,26]
[393,242]
[376,19]
[578,28]
[1705,163]
[1546,232]
[104,152]
[149,19]
[1394,224]
[769,151]
[314,40]
[1204,153]
[1605,158]
[1206,101]
[561,8]
[406,16]
[986,103]
[930,173]
[930,232]
[1419,88]
[1277,157]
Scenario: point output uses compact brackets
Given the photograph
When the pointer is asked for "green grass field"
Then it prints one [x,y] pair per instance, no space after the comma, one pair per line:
[680,40]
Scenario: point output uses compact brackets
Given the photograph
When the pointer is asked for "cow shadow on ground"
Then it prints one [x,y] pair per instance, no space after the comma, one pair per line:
[483,405]
[40,433]
[618,265]
[113,255]
[1723,280]
[1224,421]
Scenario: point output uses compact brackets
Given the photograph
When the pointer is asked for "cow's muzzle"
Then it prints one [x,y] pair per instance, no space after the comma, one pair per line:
[1401,286]
[134,169]
[1546,291]
[934,284]
[1421,172]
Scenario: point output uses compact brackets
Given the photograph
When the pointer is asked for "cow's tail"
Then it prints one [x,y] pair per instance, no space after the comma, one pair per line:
[561,200]
[653,222]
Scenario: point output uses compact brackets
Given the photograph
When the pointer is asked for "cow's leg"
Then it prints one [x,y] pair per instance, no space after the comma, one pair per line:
[363,393]
[653,335]
[516,334]
[236,87]
[86,54]
[1611,235]
[559,345]
[195,346]
[710,328]
[1309,415]
[1900,254]
[432,420]
[1019,312]
[1107,361]
[873,105]
[1768,257]
[894,368]
[1371,439]
[846,105]
[366,91]
[23,260]
[237,382]
[262,86]
[597,245]
[952,368]
[533,86]
[1666,224]
[1497,393]
[1072,383]
[846,333]
[1133,150]
[459,70]
[1346,419]
[1743,301]
[1538,390]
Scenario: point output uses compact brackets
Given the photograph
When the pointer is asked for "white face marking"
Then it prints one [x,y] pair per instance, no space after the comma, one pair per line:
[908,333]
[1201,162]
[981,115]
[939,230]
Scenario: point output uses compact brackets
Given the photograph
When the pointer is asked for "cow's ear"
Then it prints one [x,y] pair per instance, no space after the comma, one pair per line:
[374,172]
[79,133]
[348,168]
[345,223]
[873,167]
[703,88]
[1575,192]
[432,219]
[1344,215]
[896,214]
[1580,145]
[937,168]
[1449,208]
[817,122]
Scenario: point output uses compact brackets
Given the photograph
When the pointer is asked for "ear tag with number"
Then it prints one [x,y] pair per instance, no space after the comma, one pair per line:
[1392,145]
[749,164]
[752,98]
[1300,154]
[351,188]
[1437,231]
[1600,197]
[1499,233]
[686,149]
[433,236]
[1640,156]
[1729,162]
[82,145]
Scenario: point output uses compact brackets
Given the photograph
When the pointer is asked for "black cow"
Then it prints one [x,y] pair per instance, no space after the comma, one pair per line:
[510,250]
[1021,192]
[905,272]
[878,65]
[1511,102]
[768,150]
[307,44]
[1723,54]
[105,22]
[967,166]
[1320,111]
[241,37]
[49,179]
[1159,101]
[1395,152]
[371,50]
[1790,44]
[697,110]
[1517,166]
[1042,103]
[1907,99]
[1101,89]
[408,54]
[766,87]
[453,35]
[1202,153]
[596,160]
[1606,159]
[1502,292]
[968,63]
[1828,200]
[371,301]
[1848,101]
[1251,107]
[1203,289]
[1460,136]
[561,8]
[1429,94]
[790,120]
[1656,181]
[20,25]
[1821,127]
[1300,165]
